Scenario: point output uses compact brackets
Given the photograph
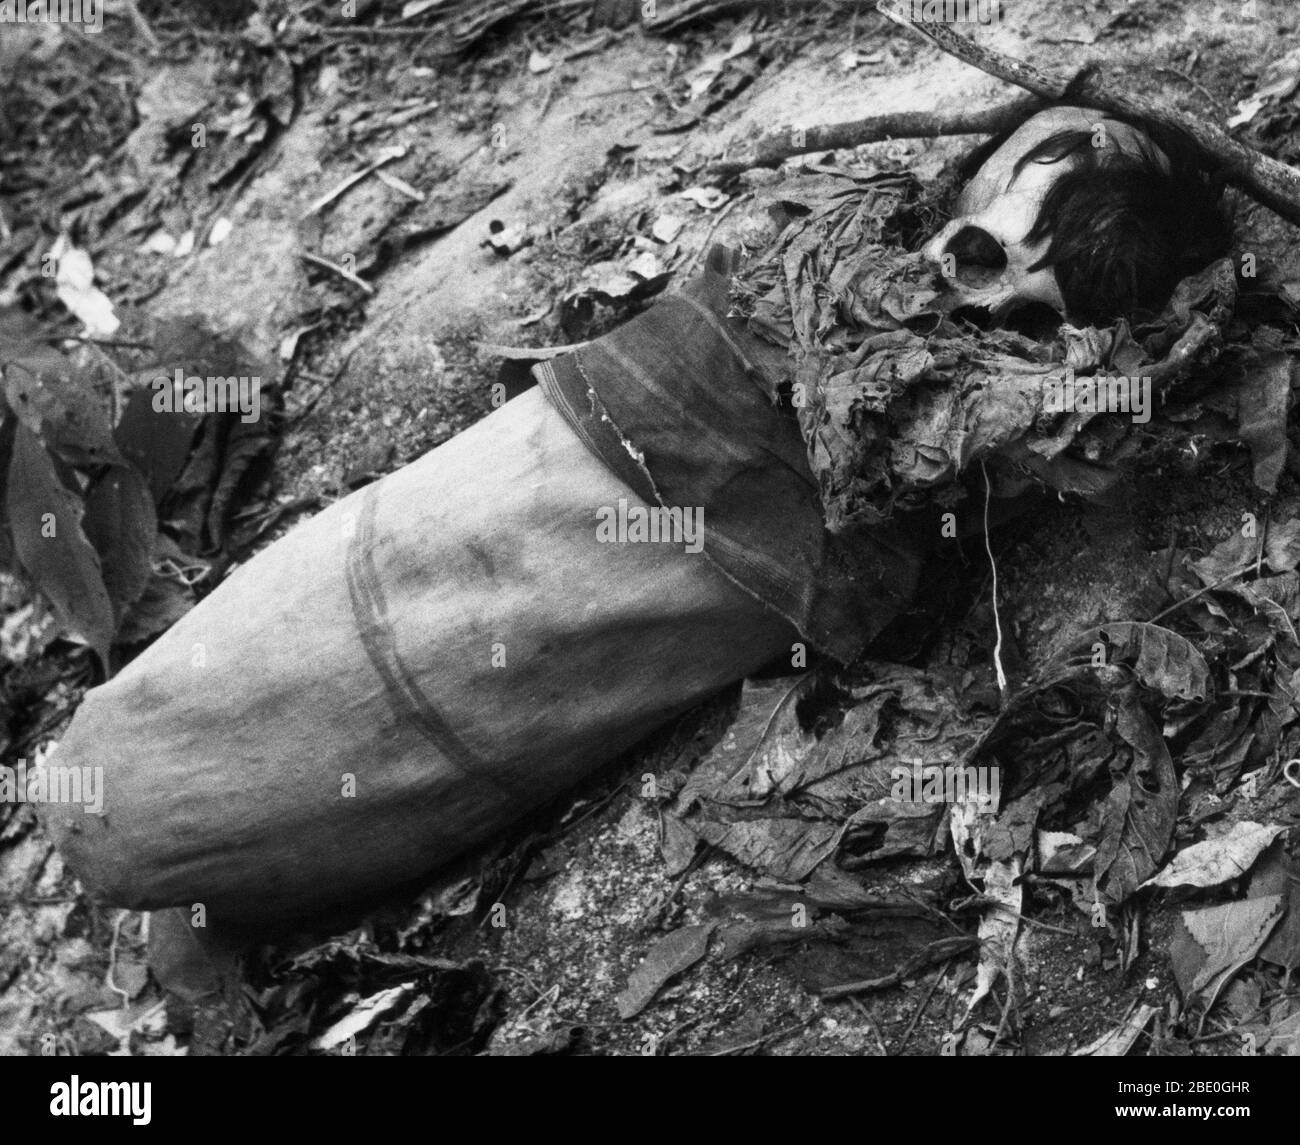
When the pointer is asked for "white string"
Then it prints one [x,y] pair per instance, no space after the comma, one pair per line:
[997,620]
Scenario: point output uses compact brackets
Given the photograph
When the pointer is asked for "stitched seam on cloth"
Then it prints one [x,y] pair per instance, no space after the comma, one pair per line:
[601,411]
[786,614]
[788,601]
[647,383]
[550,383]
[405,698]
[720,328]
[790,604]
[581,422]
[770,570]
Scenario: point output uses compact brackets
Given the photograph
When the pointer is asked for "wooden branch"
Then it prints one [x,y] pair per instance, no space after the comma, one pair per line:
[472,25]
[671,17]
[465,22]
[769,150]
[142,27]
[1274,184]
[940,950]
[334,268]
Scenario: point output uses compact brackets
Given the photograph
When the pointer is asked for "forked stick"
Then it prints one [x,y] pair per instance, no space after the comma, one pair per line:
[1274,184]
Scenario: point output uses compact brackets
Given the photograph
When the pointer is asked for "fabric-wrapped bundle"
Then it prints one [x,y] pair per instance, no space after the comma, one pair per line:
[427,660]
[415,668]
[396,680]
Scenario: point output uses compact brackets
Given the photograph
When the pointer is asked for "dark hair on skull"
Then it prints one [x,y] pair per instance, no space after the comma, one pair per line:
[1124,229]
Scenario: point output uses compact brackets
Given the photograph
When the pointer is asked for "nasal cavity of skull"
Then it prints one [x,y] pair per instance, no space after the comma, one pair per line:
[974,258]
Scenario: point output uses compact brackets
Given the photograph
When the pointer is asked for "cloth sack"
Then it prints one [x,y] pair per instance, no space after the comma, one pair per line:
[397,680]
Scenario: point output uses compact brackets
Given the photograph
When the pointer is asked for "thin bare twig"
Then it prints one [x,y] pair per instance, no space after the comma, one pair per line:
[703,248]
[875,1027]
[925,1002]
[334,268]
[1197,594]
[141,26]
[943,950]
[762,1039]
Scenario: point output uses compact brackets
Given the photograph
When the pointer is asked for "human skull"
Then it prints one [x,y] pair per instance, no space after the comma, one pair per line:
[983,253]
[984,268]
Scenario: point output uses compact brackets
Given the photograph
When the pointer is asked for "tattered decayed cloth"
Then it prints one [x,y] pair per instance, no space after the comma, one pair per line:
[838,330]
[897,400]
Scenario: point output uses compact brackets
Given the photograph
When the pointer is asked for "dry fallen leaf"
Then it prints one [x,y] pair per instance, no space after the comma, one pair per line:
[1213,943]
[1278,81]
[709,198]
[667,227]
[1217,860]
[670,956]
[1117,1042]
[362,1016]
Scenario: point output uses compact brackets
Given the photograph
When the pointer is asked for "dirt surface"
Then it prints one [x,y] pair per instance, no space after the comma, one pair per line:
[573,158]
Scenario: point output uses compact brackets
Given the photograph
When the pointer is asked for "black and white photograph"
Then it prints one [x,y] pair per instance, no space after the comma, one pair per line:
[650,528]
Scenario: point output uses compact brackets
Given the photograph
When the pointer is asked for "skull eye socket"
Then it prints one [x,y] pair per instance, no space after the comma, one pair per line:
[975,247]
